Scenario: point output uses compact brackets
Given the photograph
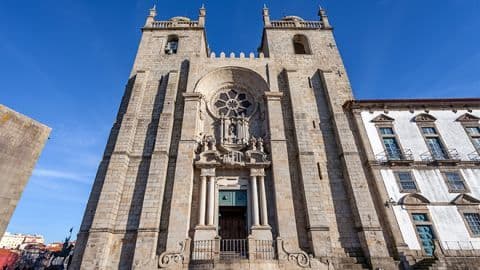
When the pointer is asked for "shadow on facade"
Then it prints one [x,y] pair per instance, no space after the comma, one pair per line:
[172,158]
[343,214]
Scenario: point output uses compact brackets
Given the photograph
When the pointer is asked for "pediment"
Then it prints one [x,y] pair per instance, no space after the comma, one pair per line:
[468,118]
[463,199]
[424,117]
[382,118]
[414,199]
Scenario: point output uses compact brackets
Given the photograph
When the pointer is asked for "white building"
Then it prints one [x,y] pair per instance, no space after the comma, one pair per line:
[424,162]
[17,241]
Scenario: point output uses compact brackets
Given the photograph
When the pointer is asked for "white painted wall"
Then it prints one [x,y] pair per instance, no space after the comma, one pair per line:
[406,227]
[452,132]
[448,222]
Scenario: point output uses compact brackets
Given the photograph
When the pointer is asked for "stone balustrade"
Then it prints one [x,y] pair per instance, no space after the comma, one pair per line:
[297,24]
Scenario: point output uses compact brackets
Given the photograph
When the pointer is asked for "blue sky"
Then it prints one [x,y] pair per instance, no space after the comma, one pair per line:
[65,63]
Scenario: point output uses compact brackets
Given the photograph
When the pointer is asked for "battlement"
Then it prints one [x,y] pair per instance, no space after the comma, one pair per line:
[232,55]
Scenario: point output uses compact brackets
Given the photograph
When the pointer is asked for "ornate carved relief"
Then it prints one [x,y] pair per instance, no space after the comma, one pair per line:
[465,199]
[468,118]
[382,118]
[414,199]
[301,258]
[424,117]
[170,258]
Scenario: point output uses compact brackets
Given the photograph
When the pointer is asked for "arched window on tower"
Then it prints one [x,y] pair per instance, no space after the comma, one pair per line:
[172,44]
[301,45]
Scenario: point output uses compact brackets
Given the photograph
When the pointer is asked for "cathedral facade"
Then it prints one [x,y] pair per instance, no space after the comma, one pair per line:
[255,161]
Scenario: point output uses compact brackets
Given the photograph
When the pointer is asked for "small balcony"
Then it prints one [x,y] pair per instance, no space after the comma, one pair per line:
[474,156]
[443,155]
[228,250]
[395,156]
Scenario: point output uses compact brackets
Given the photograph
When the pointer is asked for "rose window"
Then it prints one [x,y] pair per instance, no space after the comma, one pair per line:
[233,103]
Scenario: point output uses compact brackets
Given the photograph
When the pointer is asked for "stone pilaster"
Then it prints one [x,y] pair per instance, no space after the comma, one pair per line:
[287,229]
[99,240]
[337,91]
[314,192]
[148,230]
[179,222]
[391,224]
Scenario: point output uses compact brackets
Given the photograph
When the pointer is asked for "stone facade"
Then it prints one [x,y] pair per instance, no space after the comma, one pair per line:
[21,142]
[235,162]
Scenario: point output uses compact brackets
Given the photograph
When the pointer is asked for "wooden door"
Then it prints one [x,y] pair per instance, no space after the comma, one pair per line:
[232,222]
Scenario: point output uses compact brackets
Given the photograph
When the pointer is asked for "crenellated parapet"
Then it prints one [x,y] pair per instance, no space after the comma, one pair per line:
[232,55]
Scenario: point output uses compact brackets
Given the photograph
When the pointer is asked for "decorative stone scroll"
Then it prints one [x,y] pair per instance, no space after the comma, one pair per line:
[170,258]
[301,258]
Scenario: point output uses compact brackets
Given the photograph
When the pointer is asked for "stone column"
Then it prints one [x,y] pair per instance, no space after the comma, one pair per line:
[260,229]
[211,200]
[263,201]
[206,229]
[203,202]
[253,183]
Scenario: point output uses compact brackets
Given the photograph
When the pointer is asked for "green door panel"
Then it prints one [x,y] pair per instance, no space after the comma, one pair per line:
[232,198]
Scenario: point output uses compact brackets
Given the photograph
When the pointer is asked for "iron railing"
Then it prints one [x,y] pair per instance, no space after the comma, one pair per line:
[461,245]
[233,249]
[394,155]
[439,155]
[474,156]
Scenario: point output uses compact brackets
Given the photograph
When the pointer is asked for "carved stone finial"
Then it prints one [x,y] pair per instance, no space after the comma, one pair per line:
[260,144]
[151,16]
[324,18]
[201,16]
[266,16]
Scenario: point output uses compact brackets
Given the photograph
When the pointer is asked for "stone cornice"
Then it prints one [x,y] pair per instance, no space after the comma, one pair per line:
[424,164]
[414,104]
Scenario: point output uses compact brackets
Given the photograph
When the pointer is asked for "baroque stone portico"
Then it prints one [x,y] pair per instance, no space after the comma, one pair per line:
[233,162]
